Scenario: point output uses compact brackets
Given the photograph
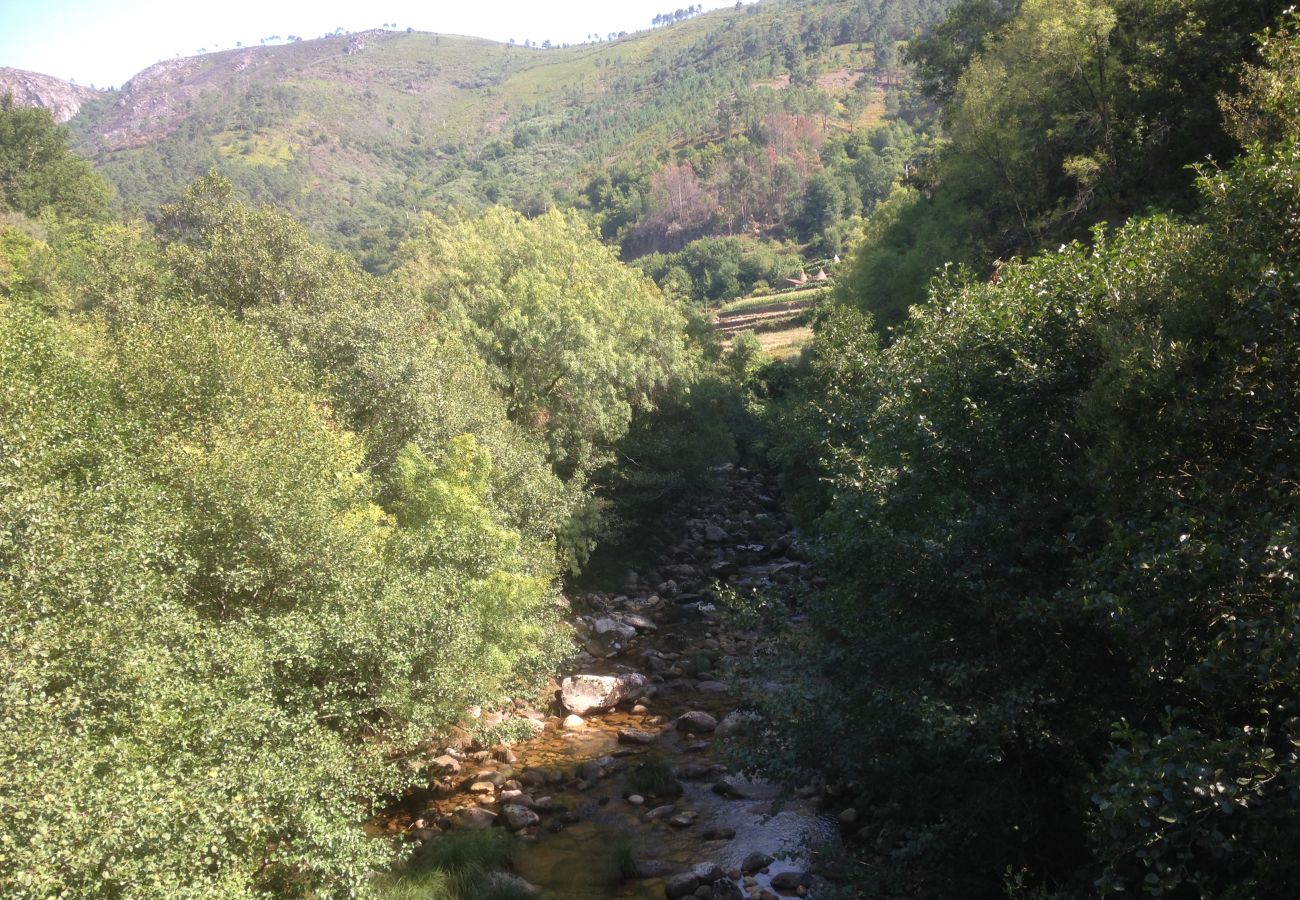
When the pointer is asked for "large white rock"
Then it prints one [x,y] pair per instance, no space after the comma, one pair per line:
[582,694]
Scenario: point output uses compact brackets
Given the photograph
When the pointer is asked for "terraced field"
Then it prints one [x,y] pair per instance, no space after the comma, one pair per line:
[780,322]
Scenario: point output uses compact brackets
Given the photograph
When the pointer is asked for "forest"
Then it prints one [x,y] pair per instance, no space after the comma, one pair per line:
[283,496]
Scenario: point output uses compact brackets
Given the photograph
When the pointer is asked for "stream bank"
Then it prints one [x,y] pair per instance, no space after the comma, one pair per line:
[622,789]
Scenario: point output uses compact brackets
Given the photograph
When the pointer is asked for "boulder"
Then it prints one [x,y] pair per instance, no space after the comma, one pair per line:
[518,816]
[788,881]
[755,862]
[582,694]
[715,534]
[653,868]
[447,764]
[708,872]
[474,818]
[696,722]
[607,627]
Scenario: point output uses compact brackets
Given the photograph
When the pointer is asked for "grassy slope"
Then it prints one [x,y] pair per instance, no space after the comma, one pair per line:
[367,140]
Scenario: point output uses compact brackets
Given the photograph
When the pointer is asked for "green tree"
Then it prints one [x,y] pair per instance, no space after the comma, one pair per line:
[573,339]
[39,173]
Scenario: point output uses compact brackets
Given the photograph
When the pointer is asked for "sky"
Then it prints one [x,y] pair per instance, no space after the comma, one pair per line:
[105,42]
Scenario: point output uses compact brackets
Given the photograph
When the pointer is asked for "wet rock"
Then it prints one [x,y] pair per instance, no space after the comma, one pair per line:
[682,885]
[506,755]
[728,790]
[581,694]
[719,834]
[788,881]
[636,799]
[755,862]
[727,890]
[696,722]
[518,816]
[632,736]
[848,816]
[653,868]
[573,722]
[508,882]
[659,812]
[711,687]
[683,820]
[482,787]
[708,872]
[715,534]
[694,771]
[601,767]
[474,818]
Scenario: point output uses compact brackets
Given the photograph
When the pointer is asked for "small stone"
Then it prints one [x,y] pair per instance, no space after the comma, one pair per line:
[633,736]
[573,722]
[714,534]
[848,816]
[755,862]
[682,820]
[482,787]
[719,834]
[636,799]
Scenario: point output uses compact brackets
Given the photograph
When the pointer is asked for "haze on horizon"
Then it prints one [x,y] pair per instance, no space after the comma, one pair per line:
[93,43]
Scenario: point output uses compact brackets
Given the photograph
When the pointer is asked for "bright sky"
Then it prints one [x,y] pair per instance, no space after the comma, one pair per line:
[105,42]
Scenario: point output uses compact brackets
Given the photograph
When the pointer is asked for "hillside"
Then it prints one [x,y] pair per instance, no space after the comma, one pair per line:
[63,99]
[356,134]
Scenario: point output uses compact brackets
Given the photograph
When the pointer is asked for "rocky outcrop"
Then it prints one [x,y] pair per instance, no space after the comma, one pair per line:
[63,99]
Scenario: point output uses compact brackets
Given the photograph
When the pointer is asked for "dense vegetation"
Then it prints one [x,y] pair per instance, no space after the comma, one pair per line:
[1057,509]
[269,521]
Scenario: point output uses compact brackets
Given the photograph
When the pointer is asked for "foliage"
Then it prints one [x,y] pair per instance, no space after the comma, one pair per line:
[1058,522]
[1060,116]
[267,524]
[574,341]
[37,170]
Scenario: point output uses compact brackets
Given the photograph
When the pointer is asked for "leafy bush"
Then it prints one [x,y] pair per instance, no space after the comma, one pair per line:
[1059,528]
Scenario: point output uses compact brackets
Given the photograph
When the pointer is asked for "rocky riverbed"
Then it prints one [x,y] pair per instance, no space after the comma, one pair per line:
[621,791]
